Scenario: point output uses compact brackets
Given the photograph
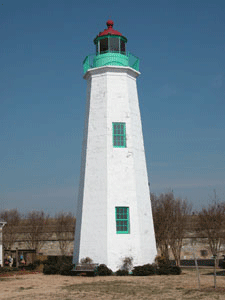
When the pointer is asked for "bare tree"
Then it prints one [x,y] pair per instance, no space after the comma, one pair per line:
[161,211]
[37,232]
[211,223]
[64,229]
[170,223]
[10,231]
[179,216]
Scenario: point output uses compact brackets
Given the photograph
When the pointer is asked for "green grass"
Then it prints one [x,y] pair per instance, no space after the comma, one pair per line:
[25,288]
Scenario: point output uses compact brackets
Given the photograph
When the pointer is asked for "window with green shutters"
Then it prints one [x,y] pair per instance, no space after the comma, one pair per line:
[122,220]
[119,135]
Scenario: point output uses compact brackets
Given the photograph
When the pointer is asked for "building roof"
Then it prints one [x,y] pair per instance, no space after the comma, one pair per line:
[109,30]
[2,223]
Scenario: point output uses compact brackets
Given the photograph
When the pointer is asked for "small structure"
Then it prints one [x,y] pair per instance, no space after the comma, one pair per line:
[22,257]
[2,224]
[87,269]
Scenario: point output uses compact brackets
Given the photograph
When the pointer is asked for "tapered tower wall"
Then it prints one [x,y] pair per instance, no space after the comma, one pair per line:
[91,224]
[113,177]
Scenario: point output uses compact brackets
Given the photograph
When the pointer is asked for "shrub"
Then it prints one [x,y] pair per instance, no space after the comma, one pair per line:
[30,267]
[122,273]
[51,260]
[164,267]
[169,270]
[37,262]
[175,270]
[145,270]
[103,270]
[8,269]
[58,265]
[162,261]
[86,260]
[163,270]
[50,269]
[127,263]
[65,265]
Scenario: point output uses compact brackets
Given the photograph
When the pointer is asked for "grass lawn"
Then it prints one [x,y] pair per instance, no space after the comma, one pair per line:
[184,286]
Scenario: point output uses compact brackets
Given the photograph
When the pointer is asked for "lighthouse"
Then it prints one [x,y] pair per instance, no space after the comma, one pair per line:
[114,216]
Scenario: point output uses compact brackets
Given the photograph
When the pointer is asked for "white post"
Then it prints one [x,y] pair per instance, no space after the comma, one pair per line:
[196,264]
[1,244]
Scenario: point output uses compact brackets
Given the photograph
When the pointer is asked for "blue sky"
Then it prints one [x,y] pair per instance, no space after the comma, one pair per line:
[42,95]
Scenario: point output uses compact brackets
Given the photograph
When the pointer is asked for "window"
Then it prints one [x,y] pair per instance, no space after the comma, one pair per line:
[104,45]
[122,220]
[122,47]
[119,135]
[114,45]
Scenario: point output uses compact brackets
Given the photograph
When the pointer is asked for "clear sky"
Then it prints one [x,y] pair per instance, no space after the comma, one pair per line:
[181,88]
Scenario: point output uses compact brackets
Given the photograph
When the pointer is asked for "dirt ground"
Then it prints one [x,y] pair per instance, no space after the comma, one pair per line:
[39,286]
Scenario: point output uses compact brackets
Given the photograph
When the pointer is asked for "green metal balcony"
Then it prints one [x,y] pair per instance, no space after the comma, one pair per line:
[111,59]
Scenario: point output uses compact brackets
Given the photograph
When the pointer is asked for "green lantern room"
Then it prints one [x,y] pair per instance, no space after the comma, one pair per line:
[110,50]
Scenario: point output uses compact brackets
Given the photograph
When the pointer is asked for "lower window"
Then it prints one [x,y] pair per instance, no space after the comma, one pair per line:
[119,135]
[122,220]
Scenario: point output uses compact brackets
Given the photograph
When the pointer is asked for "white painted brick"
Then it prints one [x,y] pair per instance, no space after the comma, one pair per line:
[113,177]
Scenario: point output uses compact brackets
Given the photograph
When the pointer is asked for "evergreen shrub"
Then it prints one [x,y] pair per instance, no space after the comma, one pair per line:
[168,270]
[122,273]
[58,265]
[164,267]
[145,270]
[8,269]
[50,269]
[175,270]
[103,270]
[65,265]
[32,266]
[163,270]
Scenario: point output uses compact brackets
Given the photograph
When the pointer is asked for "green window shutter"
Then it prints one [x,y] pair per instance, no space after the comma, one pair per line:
[122,220]
[119,135]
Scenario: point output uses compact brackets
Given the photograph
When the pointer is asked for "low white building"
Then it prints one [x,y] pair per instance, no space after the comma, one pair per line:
[2,224]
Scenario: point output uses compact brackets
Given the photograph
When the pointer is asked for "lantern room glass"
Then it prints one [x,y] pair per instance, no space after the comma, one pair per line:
[110,44]
[104,45]
[114,44]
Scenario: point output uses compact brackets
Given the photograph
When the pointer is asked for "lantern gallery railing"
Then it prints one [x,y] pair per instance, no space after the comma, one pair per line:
[112,59]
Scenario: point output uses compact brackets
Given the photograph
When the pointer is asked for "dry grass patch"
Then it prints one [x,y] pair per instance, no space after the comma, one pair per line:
[50,287]
[115,288]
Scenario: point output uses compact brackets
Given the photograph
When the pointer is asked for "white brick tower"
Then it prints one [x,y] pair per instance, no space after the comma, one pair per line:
[114,217]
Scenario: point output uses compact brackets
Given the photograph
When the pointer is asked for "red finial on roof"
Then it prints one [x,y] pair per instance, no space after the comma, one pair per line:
[109,23]
[110,29]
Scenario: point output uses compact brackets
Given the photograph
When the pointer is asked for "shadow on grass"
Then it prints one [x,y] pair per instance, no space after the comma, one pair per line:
[218,273]
[5,279]
[113,287]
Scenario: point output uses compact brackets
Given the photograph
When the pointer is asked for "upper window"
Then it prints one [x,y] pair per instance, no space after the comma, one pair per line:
[122,47]
[111,44]
[119,135]
[122,220]
[114,44]
[104,45]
